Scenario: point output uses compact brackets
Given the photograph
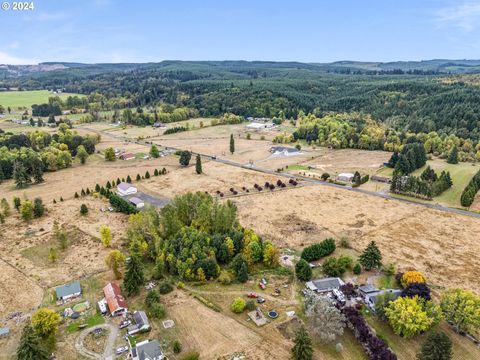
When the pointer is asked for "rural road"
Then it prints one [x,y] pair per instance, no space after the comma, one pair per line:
[306,179]
[108,354]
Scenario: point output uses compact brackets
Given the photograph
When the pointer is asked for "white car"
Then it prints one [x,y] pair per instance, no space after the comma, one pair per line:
[121,350]
[125,323]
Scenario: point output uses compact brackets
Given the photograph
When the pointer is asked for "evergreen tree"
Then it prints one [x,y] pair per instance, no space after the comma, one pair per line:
[303,270]
[302,350]
[232,144]
[36,168]
[371,257]
[118,181]
[134,276]
[155,173]
[453,156]
[83,209]
[129,179]
[393,160]
[109,186]
[138,177]
[357,178]
[185,157]
[38,208]
[147,175]
[242,273]
[29,347]
[97,188]
[437,346]
[22,179]
[82,192]
[198,164]
[154,153]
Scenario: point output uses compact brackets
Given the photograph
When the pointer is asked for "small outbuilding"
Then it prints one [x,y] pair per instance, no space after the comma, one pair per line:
[137,202]
[68,291]
[127,156]
[4,331]
[285,151]
[125,188]
[371,299]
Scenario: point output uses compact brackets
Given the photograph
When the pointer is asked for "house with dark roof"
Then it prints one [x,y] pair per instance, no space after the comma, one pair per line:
[324,285]
[116,303]
[68,291]
[365,290]
[147,350]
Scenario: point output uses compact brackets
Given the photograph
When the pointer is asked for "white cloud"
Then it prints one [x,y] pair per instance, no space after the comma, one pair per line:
[6,58]
[464,15]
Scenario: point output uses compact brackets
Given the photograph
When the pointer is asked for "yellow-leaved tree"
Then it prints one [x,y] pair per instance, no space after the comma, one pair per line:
[45,322]
[105,235]
[412,277]
[462,309]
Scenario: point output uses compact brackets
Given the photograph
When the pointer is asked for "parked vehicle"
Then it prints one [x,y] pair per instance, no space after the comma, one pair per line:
[125,323]
[121,350]
[260,300]
[252,295]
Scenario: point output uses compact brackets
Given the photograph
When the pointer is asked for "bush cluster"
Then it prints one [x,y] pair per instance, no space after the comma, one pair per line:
[319,250]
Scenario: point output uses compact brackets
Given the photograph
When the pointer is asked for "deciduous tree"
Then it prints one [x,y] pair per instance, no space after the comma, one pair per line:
[115,260]
[325,319]
[461,308]
[105,235]
[45,322]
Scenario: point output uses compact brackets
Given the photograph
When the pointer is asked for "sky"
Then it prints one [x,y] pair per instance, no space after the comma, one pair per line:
[98,31]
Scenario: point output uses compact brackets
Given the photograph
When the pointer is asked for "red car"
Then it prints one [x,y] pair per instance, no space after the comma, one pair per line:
[262,286]
[252,295]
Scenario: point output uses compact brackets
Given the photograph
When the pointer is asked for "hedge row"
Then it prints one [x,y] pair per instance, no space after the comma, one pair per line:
[317,251]
[468,194]
[375,347]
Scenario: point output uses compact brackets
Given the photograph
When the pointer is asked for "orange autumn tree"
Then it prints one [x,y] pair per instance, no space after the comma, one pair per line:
[412,277]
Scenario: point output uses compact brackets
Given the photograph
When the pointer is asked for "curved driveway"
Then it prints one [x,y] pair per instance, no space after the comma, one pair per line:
[108,352]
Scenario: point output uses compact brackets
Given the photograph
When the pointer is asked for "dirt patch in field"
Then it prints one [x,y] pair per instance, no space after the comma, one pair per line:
[442,245]
[216,335]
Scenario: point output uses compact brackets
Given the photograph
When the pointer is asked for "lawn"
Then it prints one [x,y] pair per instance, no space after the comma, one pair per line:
[463,349]
[15,99]
[461,174]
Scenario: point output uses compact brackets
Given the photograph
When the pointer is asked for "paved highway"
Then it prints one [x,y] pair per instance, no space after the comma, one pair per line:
[313,181]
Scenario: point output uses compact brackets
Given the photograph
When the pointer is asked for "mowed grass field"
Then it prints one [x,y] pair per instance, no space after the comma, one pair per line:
[461,174]
[16,99]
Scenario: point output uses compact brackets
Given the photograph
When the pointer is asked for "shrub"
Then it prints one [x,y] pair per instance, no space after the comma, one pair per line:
[317,251]
[191,355]
[303,270]
[250,305]
[83,209]
[177,346]
[238,305]
[225,278]
[412,277]
[152,298]
[165,287]
[325,176]
[357,269]
[157,311]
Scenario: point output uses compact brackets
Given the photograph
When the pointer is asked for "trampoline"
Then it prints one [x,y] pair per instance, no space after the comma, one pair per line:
[272,314]
[80,307]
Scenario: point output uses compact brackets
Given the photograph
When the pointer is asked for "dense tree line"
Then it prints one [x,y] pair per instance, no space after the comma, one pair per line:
[468,194]
[426,186]
[415,102]
[27,156]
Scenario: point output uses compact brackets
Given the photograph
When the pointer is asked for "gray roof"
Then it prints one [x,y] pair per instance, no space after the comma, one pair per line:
[124,186]
[396,294]
[140,318]
[327,283]
[4,331]
[367,289]
[283,148]
[149,350]
[68,289]
[135,200]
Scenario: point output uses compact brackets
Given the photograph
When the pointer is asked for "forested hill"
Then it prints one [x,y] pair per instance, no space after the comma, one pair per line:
[416,96]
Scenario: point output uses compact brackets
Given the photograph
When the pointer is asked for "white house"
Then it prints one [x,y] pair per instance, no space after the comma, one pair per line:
[285,151]
[147,350]
[126,189]
[259,126]
[324,285]
[141,323]
[345,177]
[138,203]
[371,299]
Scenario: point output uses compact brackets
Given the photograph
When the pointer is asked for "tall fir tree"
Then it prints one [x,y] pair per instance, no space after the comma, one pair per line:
[198,164]
[20,175]
[232,144]
[134,276]
[29,347]
[437,346]
[453,156]
[371,258]
[302,350]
